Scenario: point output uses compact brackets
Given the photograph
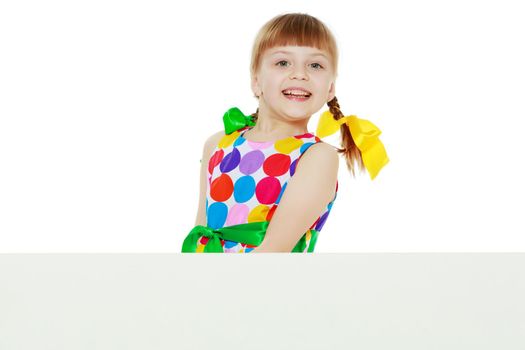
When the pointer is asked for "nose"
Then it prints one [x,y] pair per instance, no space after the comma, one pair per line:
[299,73]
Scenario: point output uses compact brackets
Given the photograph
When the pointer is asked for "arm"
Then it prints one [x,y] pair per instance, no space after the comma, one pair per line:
[209,145]
[308,192]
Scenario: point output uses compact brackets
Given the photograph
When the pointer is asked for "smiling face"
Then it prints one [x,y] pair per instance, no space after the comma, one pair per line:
[285,67]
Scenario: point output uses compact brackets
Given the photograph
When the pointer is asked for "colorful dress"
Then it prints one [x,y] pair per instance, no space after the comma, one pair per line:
[246,180]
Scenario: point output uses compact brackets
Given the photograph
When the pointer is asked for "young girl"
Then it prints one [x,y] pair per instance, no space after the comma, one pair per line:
[260,189]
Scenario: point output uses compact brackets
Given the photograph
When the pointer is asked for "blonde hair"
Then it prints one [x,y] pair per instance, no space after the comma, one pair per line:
[301,29]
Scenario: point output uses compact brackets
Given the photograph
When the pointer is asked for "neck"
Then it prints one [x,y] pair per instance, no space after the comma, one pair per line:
[272,125]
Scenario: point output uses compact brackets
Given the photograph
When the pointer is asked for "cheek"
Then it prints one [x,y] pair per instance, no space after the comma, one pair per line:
[272,84]
[324,85]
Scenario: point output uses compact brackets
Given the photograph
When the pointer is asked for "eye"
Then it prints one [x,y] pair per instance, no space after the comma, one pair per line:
[313,64]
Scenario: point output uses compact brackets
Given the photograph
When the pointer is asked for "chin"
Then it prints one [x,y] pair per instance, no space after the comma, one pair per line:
[297,116]
[299,111]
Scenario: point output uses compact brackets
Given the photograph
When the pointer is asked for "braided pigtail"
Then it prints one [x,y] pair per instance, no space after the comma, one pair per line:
[255,115]
[350,151]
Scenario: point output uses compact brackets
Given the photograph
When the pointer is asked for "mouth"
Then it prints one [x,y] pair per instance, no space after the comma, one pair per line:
[296,95]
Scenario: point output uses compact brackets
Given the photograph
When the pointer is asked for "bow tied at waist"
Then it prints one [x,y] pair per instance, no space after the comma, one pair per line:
[250,233]
[208,232]
[214,239]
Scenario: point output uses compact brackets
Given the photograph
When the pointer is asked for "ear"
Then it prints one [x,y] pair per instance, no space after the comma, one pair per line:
[331,92]
[255,86]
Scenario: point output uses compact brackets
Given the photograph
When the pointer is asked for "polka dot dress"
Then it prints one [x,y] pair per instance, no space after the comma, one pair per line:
[246,180]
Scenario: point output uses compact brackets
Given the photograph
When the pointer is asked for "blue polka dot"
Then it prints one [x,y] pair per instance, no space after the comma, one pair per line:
[280,194]
[244,189]
[229,244]
[305,146]
[247,250]
[217,213]
[239,141]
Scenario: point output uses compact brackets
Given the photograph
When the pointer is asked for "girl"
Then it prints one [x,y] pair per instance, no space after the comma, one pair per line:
[255,195]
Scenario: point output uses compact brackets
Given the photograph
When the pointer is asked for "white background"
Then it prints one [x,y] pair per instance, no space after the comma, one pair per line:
[105,106]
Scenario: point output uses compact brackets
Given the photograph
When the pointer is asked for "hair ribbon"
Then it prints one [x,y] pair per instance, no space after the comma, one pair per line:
[365,135]
[234,120]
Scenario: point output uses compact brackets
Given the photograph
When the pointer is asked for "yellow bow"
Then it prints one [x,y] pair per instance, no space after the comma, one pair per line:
[365,135]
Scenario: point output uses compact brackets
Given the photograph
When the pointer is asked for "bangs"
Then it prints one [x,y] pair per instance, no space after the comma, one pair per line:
[296,33]
[294,30]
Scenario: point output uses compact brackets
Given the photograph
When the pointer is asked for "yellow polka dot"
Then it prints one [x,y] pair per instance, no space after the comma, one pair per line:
[227,140]
[200,248]
[258,213]
[288,145]
[308,235]
[241,251]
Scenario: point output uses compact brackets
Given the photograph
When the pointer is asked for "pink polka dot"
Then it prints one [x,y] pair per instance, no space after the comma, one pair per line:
[267,190]
[259,145]
[238,214]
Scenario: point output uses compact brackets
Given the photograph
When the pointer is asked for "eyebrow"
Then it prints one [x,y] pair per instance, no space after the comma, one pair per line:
[313,54]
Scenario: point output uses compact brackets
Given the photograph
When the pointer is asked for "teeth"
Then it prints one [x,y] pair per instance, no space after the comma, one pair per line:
[296,93]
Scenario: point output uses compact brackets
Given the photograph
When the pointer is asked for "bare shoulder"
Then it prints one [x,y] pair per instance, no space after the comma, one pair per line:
[320,157]
[317,172]
[214,139]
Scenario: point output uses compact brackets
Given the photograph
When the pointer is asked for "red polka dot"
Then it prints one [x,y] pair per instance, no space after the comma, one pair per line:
[204,241]
[267,190]
[304,136]
[270,212]
[215,160]
[221,188]
[276,164]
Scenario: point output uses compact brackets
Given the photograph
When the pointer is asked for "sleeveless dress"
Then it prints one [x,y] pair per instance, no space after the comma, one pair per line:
[246,180]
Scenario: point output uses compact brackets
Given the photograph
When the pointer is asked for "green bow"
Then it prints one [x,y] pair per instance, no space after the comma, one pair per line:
[234,119]
[251,233]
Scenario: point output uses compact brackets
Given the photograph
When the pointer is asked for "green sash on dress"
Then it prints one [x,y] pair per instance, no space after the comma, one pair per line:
[251,233]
